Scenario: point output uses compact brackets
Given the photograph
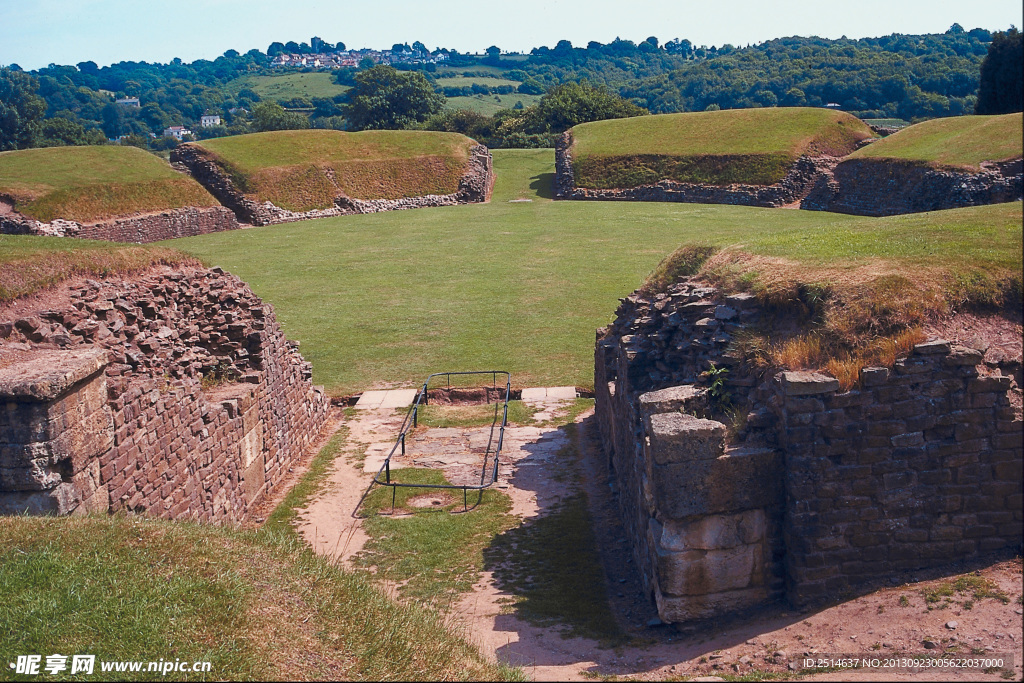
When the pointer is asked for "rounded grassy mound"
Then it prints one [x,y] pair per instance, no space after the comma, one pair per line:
[301,170]
[87,184]
[960,142]
[749,146]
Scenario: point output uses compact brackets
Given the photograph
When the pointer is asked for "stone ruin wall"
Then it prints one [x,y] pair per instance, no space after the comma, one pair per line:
[140,229]
[854,186]
[798,181]
[867,187]
[474,186]
[106,408]
[814,495]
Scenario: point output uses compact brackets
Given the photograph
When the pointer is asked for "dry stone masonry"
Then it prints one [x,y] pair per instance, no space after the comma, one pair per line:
[795,489]
[863,187]
[140,229]
[474,186]
[174,394]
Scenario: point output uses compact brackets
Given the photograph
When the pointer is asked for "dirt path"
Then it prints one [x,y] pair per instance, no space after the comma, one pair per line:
[886,623]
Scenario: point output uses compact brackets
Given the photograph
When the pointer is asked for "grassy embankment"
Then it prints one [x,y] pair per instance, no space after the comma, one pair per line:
[959,142]
[751,146]
[92,183]
[392,297]
[256,605]
[302,170]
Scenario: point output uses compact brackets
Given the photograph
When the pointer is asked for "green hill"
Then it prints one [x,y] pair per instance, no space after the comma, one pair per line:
[960,142]
[751,146]
[302,170]
[92,183]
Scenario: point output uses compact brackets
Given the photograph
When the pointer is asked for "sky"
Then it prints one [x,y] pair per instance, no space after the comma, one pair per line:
[34,33]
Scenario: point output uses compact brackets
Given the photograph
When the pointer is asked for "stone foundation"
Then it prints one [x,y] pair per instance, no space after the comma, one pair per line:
[474,186]
[877,187]
[152,227]
[174,395]
[811,494]
[798,181]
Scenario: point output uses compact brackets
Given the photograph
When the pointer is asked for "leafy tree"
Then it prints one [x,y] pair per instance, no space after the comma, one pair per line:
[420,47]
[1002,73]
[272,116]
[366,63]
[569,104]
[20,109]
[60,132]
[384,98]
[276,49]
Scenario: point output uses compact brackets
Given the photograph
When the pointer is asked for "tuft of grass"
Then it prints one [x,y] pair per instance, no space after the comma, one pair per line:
[257,605]
[979,588]
[753,146]
[282,519]
[29,264]
[958,142]
[685,261]
[87,184]
[302,170]
[433,553]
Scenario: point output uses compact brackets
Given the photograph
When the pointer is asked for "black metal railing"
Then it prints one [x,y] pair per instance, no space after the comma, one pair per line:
[411,421]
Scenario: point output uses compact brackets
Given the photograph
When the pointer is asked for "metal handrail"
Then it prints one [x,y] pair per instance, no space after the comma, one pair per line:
[410,421]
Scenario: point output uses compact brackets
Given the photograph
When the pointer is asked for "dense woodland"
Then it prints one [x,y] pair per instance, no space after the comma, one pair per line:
[910,77]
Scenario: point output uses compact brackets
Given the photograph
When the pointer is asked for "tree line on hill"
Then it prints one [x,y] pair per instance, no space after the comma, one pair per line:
[898,76]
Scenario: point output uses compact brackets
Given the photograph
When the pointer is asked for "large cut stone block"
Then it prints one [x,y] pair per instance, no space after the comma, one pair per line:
[701,572]
[672,400]
[676,609]
[715,532]
[45,375]
[743,479]
[677,438]
[800,383]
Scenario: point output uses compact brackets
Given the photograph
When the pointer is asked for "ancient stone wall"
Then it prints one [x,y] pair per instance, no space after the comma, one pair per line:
[174,394]
[474,186]
[877,187]
[140,229]
[798,181]
[790,487]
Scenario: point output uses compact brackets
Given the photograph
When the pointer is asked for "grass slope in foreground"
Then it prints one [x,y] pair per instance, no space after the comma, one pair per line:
[302,170]
[959,142]
[392,297]
[92,183]
[751,146]
[257,606]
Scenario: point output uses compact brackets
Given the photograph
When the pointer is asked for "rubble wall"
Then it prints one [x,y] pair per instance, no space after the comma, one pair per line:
[174,394]
[152,227]
[791,488]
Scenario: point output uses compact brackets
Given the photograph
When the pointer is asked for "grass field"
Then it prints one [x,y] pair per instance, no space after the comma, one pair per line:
[462,81]
[287,86]
[521,286]
[754,146]
[955,142]
[256,606]
[489,104]
[91,183]
[288,167]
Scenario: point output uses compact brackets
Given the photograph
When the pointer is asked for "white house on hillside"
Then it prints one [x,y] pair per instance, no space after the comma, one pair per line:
[207,120]
[176,132]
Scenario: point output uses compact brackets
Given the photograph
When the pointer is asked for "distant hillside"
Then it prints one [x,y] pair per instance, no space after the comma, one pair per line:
[750,146]
[88,184]
[301,170]
[961,142]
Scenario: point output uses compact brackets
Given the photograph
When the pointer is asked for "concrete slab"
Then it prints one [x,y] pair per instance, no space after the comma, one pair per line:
[534,394]
[398,398]
[561,393]
[372,463]
[370,399]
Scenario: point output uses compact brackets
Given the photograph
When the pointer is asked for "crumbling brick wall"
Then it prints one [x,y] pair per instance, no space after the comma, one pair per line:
[814,493]
[208,403]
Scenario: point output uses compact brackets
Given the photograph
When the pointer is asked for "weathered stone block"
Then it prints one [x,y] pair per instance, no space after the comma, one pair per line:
[716,532]
[800,383]
[935,347]
[702,572]
[676,437]
[675,609]
[45,375]
[683,398]
[743,479]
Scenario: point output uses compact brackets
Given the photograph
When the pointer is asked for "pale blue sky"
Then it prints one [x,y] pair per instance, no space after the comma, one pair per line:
[34,33]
